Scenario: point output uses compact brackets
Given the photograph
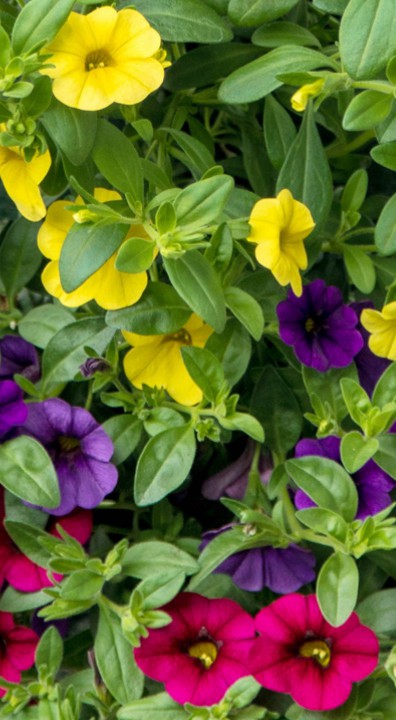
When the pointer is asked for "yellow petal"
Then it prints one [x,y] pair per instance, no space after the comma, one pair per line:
[286,200]
[132,81]
[100,24]
[296,253]
[54,229]
[180,386]
[389,311]
[383,343]
[301,222]
[133,37]
[83,90]
[198,330]
[268,253]
[373,321]
[149,364]
[139,340]
[51,280]
[286,271]
[115,289]
[20,185]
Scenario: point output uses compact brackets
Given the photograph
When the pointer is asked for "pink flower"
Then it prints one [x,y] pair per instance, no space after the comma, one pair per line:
[300,653]
[18,645]
[202,652]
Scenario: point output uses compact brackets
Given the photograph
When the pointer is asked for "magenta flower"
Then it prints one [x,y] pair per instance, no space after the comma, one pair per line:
[301,654]
[319,327]
[18,645]
[80,450]
[372,483]
[13,410]
[18,356]
[202,652]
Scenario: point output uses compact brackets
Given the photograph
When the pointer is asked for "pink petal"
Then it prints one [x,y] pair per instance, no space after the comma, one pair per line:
[317,688]
[78,524]
[25,575]
[21,647]
[355,655]
[271,664]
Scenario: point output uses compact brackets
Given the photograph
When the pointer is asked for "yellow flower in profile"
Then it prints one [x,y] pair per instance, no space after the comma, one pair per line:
[110,288]
[105,57]
[278,227]
[382,329]
[299,100]
[21,180]
[156,360]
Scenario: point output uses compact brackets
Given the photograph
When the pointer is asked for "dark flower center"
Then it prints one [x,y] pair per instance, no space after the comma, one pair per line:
[319,650]
[205,651]
[182,336]
[68,444]
[98,59]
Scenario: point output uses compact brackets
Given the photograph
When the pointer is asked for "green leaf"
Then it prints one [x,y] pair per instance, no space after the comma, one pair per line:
[219,252]
[43,322]
[275,406]
[125,431]
[326,483]
[156,707]
[233,348]
[245,423]
[247,13]
[85,249]
[27,538]
[165,218]
[205,65]
[378,611]
[49,651]
[306,171]
[385,155]
[26,470]
[284,33]
[73,131]
[202,202]
[360,268]
[385,457]
[246,309]
[385,389]
[337,588]
[279,131]
[260,77]
[355,191]
[159,311]
[184,20]
[324,521]
[65,352]
[135,255]
[14,601]
[256,160]
[331,6]
[82,585]
[206,371]
[19,256]
[366,110]
[115,659]
[164,464]
[146,559]
[117,160]
[356,400]
[160,419]
[366,52]
[385,230]
[356,450]
[327,387]
[38,22]
[194,278]
[195,155]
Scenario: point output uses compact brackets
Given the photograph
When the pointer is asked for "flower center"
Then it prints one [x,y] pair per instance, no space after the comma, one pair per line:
[182,336]
[98,59]
[68,444]
[316,649]
[205,651]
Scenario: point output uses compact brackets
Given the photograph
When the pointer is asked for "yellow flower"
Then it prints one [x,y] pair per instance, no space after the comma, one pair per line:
[105,57]
[110,288]
[382,329]
[21,180]
[279,226]
[300,98]
[156,360]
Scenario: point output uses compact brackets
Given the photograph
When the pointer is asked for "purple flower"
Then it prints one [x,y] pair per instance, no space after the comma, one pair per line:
[80,450]
[93,365]
[369,366]
[232,481]
[321,329]
[18,356]
[13,410]
[282,570]
[372,484]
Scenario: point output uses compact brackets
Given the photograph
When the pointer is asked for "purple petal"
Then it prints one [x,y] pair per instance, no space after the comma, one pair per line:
[18,356]
[13,410]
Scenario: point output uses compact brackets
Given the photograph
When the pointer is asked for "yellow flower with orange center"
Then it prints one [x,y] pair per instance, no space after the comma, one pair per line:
[156,360]
[21,180]
[382,329]
[278,227]
[105,57]
[109,287]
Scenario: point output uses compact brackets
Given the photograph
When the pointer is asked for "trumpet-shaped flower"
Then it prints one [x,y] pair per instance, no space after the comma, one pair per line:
[104,57]
[21,180]
[18,645]
[110,288]
[382,329]
[299,100]
[156,360]
[278,227]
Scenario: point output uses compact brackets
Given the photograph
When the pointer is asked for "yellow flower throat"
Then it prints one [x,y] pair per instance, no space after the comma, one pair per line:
[205,651]
[98,59]
[318,650]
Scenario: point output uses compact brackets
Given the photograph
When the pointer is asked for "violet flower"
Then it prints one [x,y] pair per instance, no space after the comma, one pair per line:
[13,410]
[319,327]
[282,570]
[18,356]
[233,479]
[372,484]
[80,450]
[369,366]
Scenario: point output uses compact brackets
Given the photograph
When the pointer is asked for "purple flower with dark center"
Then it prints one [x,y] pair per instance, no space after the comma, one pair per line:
[80,450]
[18,356]
[372,484]
[232,480]
[282,570]
[319,327]
[369,366]
[13,410]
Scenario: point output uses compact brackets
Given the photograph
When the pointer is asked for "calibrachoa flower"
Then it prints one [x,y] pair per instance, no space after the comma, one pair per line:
[283,570]
[299,100]
[278,227]
[18,356]
[105,57]
[156,360]
[21,180]
[369,366]
[18,645]
[382,329]
[80,450]
[372,484]
[13,410]
[301,654]
[319,327]
[202,652]
[110,288]
[232,480]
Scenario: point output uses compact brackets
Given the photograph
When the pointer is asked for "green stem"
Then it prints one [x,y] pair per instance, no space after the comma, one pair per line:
[88,401]
[290,514]
[376,85]
[337,151]
[359,231]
